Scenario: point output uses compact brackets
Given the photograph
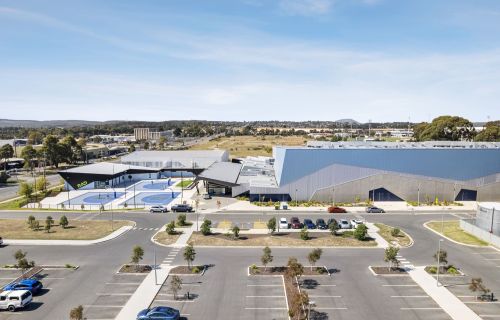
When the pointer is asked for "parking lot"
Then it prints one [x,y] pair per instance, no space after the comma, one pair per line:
[265,298]
[326,296]
[408,299]
[52,280]
[113,297]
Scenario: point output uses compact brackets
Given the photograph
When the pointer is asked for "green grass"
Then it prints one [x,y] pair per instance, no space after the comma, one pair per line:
[13,204]
[184,183]
[451,229]
[385,231]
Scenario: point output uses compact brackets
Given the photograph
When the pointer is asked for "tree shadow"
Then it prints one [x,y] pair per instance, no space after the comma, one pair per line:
[309,283]
[316,315]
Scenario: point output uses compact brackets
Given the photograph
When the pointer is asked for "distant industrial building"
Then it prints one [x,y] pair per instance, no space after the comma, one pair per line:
[146,134]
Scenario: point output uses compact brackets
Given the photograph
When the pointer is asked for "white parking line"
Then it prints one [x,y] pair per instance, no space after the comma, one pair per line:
[265,296]
[123,283]
[489,315]
[330,308]
[264,285]
[325,296]
[400,285]
[432,308]
[172,301]
[101,306]
[247,308]
[114,294]
[410,297]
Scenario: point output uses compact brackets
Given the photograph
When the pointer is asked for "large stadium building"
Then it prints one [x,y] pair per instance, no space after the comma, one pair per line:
[383,171]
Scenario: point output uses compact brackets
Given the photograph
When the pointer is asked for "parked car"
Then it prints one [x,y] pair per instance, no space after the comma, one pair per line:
[1,241]
[283,223]
[336,210]
[330,221]
[13,300]
[373,209]
[182,208]
[320,224]
[159,313]
[158,209]
[344,224]
[32,285]
[295,223]
[355,223]
[309,224]
[207,196]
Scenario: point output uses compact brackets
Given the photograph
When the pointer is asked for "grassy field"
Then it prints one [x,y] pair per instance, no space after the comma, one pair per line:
[261,240]
[243,146]
[452,230]
[385,231]
[77,230]
[184,183]
[167,239]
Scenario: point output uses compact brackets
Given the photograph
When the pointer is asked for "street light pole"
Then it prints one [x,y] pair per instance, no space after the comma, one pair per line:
[438,261]
[154,266]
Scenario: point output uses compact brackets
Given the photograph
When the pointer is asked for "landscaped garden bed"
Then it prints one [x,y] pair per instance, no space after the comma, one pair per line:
[277,271]
[135,268]
[162,237]
[388,270]
[394,235]
[315,239]
[444,270]
[185,270]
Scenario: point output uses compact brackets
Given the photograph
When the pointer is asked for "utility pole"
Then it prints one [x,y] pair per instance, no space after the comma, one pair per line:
[438,261]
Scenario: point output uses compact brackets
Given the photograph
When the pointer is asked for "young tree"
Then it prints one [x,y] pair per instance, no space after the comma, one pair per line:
[35,225]
[295,269]
[63,222]
[181,219]
[395,232]
[271,225]
[170,228]
[48,223]
[205,227]
[189,254]
[476,284]
[41,184]
[22,261]
[137,256]
[6,152]
[29,155]
[26,190]
[76,313]
[304,234]
[333,226]
[361,232]
[314,256]
[31,219]
[391,256]
[175,285]
[266,257]
[442,255]
[236,231]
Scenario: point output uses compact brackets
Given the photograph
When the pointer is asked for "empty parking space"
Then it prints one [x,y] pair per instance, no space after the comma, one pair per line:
[114,295]
[459,286]
[265,298]
[326,295]
[409,300]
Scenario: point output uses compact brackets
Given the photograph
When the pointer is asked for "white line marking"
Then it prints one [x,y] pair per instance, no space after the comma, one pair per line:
[101,306]
[113,294]
[172,301]
[400,285]
[325,296]
[410,297]
[264,285]
[265,296]
[326,308]
[420,308]
[265,308]
[123,283]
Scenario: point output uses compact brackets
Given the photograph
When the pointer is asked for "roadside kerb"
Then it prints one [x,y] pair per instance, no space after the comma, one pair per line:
[33,242]
[449,239]
[145,294]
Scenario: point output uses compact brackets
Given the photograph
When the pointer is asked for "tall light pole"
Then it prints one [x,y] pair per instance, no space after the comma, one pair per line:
[438,261]
[296,202]
[418,195]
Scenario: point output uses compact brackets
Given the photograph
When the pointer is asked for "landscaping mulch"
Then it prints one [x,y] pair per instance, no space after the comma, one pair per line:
[386,270]
[444,270]
[187,270]
[277,271]
[132,268]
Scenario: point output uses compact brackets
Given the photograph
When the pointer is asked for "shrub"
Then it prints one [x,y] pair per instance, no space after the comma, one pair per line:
[432,270]
[254,268]
[236,232]
[76,313]
[170,228]
[205,227]
[304,234]
[452,270]
[360,232]
[195,270]
[395,232]
[181,219]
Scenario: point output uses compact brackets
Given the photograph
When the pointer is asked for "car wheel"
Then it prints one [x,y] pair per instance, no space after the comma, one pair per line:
[151,211]
[11,308]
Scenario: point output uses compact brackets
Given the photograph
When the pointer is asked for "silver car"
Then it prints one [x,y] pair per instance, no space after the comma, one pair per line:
[344,224]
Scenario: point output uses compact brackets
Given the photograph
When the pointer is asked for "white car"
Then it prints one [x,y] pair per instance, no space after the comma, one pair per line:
[344,224]
[12,300]
[355,223]
[283,223]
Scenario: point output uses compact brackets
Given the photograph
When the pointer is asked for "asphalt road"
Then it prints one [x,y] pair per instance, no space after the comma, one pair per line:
[9,191]
[224,292]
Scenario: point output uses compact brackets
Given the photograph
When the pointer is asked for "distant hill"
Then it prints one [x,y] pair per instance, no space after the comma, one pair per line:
[4,123]
[347,121]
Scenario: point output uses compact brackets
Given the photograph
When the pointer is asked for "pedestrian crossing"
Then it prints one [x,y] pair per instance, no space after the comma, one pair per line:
[171,256]
[146,229]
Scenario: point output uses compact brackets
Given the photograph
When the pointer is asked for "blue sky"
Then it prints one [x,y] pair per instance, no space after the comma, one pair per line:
[384,60]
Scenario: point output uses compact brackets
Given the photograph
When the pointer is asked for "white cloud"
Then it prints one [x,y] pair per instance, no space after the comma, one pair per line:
[306,7]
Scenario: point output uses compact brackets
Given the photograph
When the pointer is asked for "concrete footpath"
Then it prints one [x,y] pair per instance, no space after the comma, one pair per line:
[145,293]
[35,242]
[455,308]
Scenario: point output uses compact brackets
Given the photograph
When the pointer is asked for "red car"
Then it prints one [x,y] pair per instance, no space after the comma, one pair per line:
[336,210]
[295,223]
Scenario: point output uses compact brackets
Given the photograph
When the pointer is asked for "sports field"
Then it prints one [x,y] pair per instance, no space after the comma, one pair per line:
[243,146]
